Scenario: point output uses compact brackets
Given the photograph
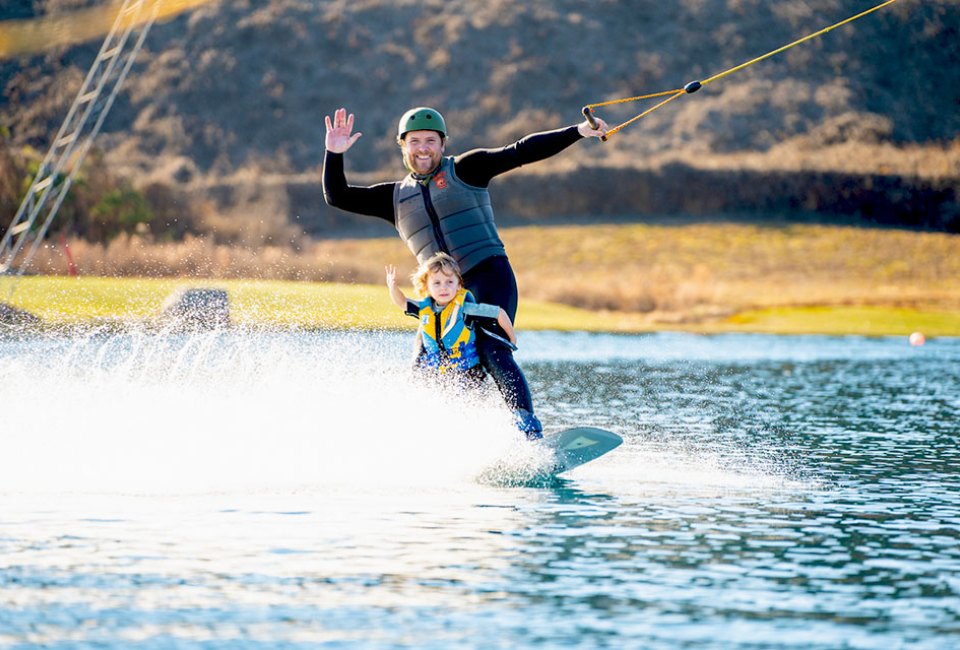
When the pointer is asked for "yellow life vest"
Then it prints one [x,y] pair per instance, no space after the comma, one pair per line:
[447,341]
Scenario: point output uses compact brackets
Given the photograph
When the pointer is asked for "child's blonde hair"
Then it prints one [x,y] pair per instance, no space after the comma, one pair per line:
[438,262]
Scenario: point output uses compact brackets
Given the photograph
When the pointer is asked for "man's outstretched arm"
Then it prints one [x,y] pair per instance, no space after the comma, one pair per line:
[478,166]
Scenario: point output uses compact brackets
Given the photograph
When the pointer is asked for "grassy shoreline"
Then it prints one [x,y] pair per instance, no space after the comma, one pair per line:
[61,301]
[695,276]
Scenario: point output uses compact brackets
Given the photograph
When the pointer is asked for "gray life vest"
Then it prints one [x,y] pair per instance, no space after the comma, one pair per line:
[446,215]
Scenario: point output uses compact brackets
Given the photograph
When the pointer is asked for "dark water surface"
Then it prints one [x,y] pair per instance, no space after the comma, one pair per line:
[296,491]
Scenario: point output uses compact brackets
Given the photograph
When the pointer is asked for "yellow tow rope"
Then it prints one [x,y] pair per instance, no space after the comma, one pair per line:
[694,86]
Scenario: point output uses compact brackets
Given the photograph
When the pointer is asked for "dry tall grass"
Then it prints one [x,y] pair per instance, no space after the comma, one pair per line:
[806,154]
[196,257]
[704,270]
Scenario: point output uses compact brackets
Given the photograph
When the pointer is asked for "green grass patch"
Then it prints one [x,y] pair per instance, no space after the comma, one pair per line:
[69,301]
[61,300]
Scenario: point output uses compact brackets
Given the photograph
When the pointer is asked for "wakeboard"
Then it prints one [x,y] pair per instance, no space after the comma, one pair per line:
[578,445]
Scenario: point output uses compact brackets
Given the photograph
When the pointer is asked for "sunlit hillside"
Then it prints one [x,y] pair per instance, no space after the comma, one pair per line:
[219,128]
[227,100]
[247,83]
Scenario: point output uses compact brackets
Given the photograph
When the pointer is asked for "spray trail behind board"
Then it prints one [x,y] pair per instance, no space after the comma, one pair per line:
[215,411]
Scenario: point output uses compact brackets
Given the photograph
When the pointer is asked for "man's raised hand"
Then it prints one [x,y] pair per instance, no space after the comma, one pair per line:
[340,136]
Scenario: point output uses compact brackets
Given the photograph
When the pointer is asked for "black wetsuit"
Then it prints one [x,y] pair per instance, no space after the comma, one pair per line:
[491,280]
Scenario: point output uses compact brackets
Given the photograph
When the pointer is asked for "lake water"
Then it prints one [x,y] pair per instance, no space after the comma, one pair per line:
[264,491]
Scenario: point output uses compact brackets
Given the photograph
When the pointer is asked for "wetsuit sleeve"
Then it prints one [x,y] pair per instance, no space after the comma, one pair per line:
[372,200]
[478,166]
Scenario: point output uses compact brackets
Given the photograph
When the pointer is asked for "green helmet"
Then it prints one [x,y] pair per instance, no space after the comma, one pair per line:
[421,119]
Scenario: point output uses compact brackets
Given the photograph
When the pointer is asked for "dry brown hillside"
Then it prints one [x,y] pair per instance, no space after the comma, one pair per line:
[229,100]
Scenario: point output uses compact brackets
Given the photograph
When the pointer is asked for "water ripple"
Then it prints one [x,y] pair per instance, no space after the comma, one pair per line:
[232,490]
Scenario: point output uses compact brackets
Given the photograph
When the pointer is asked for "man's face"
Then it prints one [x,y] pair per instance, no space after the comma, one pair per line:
[422,150]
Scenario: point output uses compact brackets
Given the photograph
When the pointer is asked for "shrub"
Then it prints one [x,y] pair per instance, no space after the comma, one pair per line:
[122,210]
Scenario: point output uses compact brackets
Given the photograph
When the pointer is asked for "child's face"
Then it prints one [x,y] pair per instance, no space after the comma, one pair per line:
[442,287]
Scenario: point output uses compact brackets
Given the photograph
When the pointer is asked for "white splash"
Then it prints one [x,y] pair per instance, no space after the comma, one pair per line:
[214,411]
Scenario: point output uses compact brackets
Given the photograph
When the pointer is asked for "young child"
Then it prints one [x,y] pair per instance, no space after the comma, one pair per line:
[448,314]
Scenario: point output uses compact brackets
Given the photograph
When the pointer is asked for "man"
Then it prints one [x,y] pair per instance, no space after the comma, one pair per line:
[443,205]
